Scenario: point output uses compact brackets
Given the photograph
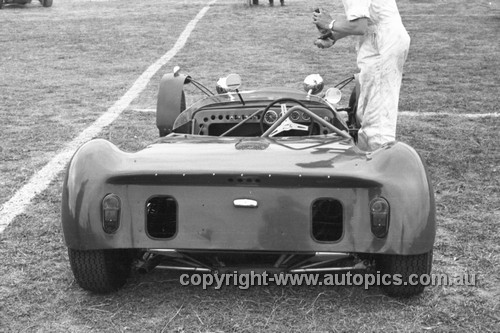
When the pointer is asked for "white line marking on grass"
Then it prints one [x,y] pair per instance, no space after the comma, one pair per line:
[448,114]
[144,110]
[41,180]
[448,15]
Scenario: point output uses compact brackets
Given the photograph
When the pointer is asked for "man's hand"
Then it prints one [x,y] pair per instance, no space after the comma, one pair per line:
[322,20]
[324,43]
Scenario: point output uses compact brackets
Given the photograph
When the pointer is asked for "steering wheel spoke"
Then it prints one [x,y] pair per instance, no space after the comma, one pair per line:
[300,127]
[288,125]
[283,123]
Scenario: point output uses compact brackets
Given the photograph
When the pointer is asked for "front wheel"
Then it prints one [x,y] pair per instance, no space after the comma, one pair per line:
[405,273]
[100,271]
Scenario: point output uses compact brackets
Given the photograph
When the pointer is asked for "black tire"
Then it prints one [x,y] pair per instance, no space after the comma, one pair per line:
[100,271]
[47,3]
[271,2]
[405,266]
[183,102]
[255,2]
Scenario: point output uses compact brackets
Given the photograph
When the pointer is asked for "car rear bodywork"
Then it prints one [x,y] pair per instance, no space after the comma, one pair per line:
[268,179]
[204,177]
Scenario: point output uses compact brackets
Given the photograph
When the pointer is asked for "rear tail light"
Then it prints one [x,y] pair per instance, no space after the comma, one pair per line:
[111,213]
[379,217]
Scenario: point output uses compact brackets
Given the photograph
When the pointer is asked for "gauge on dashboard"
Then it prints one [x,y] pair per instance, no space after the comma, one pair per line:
[270,117]
[295,116]
[306,117]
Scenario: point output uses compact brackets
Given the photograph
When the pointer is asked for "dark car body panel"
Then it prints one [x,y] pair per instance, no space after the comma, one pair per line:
[284,175]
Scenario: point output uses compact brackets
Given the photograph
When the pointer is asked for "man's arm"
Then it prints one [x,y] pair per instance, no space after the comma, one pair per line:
[341,27]
[347,28]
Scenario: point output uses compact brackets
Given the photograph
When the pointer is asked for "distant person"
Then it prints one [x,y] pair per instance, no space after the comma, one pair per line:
[382,52]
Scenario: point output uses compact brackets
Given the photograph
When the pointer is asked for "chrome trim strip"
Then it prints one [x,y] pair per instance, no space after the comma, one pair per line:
[245,203]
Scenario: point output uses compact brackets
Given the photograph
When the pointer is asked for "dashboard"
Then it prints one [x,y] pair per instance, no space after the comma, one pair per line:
[248,120]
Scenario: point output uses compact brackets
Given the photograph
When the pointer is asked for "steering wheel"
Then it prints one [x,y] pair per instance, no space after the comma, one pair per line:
[284,122]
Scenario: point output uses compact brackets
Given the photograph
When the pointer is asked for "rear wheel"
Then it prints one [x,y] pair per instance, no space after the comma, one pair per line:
[183,101]
[100,271]
[46,3]
[401,268]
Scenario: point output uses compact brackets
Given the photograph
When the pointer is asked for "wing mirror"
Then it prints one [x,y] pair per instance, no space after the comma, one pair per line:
[313,84]
[229,83]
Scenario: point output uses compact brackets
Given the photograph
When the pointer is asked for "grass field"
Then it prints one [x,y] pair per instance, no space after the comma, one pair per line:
[62,67]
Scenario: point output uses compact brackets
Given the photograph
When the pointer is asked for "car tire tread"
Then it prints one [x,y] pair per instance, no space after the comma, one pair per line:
[100,271]
[405,266]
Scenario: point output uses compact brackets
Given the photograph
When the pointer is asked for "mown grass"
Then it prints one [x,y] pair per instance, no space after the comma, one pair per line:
[62,67]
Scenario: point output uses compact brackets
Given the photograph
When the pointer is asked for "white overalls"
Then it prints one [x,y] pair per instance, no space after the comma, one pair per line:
[382,52]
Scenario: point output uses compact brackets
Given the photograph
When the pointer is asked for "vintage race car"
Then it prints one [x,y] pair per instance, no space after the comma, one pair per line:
[45,3]
[261,180]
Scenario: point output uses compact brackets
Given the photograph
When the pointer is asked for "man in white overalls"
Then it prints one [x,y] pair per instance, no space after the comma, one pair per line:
[382,52]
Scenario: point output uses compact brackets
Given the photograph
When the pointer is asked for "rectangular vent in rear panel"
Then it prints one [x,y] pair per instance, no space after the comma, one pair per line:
[327,220]
[161,217]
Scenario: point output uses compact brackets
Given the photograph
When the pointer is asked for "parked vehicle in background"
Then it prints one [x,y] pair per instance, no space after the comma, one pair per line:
[45,3]
[271,2]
